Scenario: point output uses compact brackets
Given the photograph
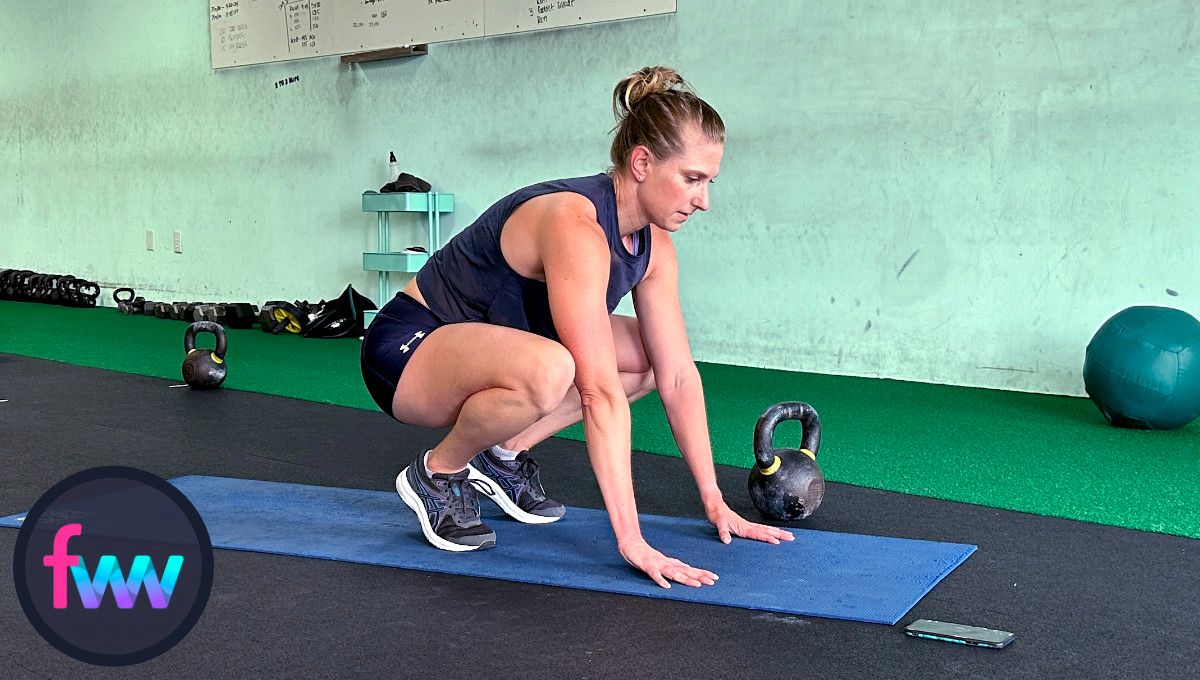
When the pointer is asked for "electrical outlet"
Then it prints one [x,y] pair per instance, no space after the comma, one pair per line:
[178,241]
[149,239]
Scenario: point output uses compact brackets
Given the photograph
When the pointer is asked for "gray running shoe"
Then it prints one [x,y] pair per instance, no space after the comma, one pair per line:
[447,507]
[516,487]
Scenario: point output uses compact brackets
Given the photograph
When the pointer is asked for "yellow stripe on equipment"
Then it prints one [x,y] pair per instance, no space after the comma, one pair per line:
[774,467]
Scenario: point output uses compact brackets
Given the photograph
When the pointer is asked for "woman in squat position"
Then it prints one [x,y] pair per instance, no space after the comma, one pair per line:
[507,335]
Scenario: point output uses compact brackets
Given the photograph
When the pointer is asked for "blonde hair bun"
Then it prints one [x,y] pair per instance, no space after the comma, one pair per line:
[643,83]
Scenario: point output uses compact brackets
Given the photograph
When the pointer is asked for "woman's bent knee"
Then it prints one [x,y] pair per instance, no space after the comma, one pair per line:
[551,378]
[648,384]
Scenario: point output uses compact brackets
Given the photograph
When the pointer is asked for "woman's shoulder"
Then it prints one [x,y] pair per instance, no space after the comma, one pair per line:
[573,196]
[595,187]
[547,218]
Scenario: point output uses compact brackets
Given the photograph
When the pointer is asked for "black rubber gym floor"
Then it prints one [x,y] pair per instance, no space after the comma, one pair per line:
[1086,601]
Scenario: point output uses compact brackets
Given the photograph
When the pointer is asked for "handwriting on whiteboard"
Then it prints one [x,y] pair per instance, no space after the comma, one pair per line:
[303,20]
[225,11]
[544,7]
[233,38]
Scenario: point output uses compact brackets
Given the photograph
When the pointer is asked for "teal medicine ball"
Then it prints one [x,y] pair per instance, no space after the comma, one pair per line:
[1142,368]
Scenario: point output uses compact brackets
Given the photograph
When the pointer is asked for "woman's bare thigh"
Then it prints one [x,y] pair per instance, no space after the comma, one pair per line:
[627,336]
[458,360]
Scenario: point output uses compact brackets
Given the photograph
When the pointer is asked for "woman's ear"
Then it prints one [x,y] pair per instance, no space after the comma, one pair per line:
[640,160]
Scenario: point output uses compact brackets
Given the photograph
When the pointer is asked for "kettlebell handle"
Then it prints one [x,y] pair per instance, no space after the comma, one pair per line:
[189,338]
[764,431]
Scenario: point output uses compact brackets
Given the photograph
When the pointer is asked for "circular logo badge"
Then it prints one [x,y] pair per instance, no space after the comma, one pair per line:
[113,566]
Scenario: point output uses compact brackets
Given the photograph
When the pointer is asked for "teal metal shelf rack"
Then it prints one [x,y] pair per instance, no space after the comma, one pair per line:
[384,261]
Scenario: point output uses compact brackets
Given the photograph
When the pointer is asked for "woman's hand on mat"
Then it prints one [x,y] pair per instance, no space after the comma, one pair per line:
[660,568]
[729,522]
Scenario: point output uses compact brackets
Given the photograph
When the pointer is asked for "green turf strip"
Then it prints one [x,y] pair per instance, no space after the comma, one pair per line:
[1042,454]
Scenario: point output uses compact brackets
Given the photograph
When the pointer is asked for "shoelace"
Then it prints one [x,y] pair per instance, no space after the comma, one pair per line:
[464,499]
[528,470]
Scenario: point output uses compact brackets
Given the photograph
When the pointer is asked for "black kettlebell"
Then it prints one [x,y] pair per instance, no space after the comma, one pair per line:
[126,305]
[204,369]
[787,484]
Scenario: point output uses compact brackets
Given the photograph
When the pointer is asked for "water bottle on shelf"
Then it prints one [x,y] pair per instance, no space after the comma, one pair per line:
[393,167]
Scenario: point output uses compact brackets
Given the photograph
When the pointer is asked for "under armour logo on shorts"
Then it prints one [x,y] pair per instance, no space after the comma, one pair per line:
[416,336]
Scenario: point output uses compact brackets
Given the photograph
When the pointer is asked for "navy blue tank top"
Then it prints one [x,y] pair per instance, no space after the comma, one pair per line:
[468,279]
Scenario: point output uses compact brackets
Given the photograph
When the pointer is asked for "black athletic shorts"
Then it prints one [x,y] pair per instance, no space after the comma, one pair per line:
[389,343]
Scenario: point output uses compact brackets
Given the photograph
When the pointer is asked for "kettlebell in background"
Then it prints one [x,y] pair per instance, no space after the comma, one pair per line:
[128,304]
[204,369]
[787,484]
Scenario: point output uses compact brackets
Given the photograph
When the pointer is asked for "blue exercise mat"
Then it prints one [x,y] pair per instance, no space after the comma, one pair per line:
[843,576]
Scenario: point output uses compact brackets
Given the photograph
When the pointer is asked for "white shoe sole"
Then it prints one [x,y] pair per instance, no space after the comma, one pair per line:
[501,499]
[410,498]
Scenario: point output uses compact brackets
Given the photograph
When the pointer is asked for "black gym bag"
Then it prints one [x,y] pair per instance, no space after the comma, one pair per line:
[341,317]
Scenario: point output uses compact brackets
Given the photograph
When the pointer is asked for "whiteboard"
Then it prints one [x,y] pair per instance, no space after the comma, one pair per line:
[243,32]
[255,31]
[364,25]
[517,16]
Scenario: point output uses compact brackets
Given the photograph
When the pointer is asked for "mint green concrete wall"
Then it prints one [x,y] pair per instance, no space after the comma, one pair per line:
[935,191]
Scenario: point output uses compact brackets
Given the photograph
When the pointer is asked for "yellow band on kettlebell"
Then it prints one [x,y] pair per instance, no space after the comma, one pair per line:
[216,359]
[810,454]
[773,469]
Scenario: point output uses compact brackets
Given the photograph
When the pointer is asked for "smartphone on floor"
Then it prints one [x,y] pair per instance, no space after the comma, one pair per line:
[956,632]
